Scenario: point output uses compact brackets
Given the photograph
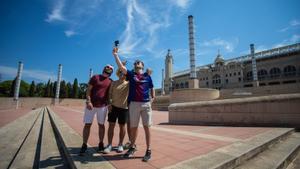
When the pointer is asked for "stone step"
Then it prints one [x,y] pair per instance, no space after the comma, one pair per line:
[237,153]
[278,156]
[71,143]
[50,156]
[295,164]
[13,136]
[27,157]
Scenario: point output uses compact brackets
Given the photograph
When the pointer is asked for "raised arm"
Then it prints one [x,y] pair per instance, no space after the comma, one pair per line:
[118,61]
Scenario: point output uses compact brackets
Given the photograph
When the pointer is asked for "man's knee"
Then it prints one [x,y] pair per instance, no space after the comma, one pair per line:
[101,125]
[87,125]
[122,126]
[146,126]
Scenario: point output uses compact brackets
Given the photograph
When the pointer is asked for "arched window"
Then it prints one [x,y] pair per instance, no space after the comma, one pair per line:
[289,70]
[275,72]
[181,85]
[216,79]
[262,74]
[186,85]
[249,75]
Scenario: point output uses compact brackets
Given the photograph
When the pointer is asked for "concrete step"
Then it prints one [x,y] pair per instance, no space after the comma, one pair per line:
[14,135]
[295,164]
[71,143]
[278,156]
[50,156]
[27,157]
[237,153]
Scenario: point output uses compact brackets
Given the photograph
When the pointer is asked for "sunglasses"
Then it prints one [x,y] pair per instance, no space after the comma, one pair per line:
[138,62]
[108,67]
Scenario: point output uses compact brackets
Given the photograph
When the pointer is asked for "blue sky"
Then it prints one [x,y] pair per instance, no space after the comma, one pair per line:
[79,34]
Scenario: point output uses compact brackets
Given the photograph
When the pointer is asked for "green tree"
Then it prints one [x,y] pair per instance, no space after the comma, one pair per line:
[82,90]
[63,90]
[47,89]
[69,90]
[32,89]
[24,88]
[51,90]
[40,89]
[54,89]
[5,88]
[12,87]
[75,89]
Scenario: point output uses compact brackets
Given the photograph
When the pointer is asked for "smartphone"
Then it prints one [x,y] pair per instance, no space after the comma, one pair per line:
[117,43]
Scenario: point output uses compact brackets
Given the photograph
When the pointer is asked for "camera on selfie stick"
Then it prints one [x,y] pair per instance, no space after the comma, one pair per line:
[116,47]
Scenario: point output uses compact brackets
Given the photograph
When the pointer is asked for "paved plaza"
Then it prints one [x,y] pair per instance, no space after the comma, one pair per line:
[173,146]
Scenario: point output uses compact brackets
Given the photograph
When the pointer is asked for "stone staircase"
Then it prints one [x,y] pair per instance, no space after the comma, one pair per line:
[40,139]
[277,149]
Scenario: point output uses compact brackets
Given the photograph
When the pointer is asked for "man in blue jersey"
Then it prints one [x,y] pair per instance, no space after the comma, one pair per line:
[141,95]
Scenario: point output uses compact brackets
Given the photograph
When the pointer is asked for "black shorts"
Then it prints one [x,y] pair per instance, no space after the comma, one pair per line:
[118,113]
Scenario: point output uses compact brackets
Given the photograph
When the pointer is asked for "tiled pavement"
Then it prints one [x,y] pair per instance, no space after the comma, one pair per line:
[7,116]
[170,143]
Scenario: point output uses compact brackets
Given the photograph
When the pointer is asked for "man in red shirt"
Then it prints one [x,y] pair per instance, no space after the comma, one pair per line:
[96,103]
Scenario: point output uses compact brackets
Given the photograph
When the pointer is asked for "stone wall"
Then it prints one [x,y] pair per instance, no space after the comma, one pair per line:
[32,102]
[188,95]
[260,91]
[161,103]
[273,110]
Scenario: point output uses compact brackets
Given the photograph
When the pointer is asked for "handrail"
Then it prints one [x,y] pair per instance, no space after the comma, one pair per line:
[262,54]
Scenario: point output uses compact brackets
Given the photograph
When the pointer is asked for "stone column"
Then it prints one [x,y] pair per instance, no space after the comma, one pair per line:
[162,83]
[59,74]
[17,84]
[254,68]
[194,82]
[91,73]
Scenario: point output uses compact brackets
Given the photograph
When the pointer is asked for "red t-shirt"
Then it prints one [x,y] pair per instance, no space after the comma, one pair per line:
[99,93]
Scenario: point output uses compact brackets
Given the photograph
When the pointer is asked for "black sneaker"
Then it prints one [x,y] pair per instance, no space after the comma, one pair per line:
[83,149]
[130,152]
[127,146]
[100,147]
[147,156]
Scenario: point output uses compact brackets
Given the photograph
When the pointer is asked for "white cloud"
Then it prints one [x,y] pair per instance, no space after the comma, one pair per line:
[74,15]
[141,30]
[228,46]
[292,25]
[294,22]
[257,49]
[293,39]
[39,75]
[181,3]
[70,33]
[56,13]
[142,27]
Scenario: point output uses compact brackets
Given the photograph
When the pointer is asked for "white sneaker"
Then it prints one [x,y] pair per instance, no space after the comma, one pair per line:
[107,149]
[120,149]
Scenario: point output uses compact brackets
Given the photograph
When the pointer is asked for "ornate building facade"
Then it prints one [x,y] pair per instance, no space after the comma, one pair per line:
[270,67]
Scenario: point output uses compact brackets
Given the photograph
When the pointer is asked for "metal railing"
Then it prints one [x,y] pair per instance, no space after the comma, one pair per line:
[283,76]
[261,54]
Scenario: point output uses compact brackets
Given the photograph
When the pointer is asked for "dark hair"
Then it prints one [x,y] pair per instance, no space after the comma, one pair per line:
[138,61]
